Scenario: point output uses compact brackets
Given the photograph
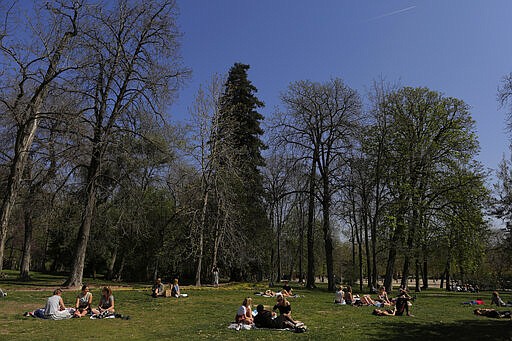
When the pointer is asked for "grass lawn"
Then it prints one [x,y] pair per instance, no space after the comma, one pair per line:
[206,313]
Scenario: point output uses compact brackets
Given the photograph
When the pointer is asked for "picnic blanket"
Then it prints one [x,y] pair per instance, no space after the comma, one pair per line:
[241,326]
[109,315]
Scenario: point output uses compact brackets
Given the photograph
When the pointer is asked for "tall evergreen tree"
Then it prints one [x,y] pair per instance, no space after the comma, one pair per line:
[239,155]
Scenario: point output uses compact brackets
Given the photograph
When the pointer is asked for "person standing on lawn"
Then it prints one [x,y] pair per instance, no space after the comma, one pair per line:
[215,272]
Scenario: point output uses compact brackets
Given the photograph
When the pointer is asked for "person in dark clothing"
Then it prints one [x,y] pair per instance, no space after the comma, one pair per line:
[493,313]
[158,289]
[287,290]
[264,319]
[402,303]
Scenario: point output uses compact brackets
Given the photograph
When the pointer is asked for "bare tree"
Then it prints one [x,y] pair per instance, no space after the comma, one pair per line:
[204,116]
[23,93]
[134,66]
[320,120]
[505,96]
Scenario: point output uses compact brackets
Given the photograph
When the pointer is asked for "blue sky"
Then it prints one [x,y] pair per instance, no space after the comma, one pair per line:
[461,48]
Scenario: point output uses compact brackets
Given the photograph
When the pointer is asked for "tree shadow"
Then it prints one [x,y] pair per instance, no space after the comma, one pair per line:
[484,329]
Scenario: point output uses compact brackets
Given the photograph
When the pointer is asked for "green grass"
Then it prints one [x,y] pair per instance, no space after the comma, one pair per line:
[205,314]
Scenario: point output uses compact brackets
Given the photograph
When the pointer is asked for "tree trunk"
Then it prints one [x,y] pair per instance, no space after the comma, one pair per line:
[360,254]
[390,266]
[368,252]
[417,274]
[310,283]
[326,207]
[121,268]
[199,259]
[425,271]
[353,242]
[112,263]
[27,131]
[278,241]
[301,243]
[25,259]
[375,219]
[24,139]
[447,275]
[202,227]
[77,270]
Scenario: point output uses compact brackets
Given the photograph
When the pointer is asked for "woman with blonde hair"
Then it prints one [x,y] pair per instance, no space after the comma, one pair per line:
[244,313]
[339,297]
[383,296]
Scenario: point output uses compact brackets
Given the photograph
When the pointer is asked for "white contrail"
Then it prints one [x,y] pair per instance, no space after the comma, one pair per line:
[392,13]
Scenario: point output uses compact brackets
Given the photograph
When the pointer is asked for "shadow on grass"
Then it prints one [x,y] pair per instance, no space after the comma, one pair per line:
[485,329]
[36,279]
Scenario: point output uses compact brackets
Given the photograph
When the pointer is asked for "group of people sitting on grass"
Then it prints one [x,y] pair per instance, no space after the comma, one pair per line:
[397,306]
[56,310]
[263,318]
[158,289]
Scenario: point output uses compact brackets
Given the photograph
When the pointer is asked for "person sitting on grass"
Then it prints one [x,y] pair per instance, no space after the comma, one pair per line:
[496,299]
[285,308]
[265,319]
[339,296]
[383,297]
[349,298]
[244,313]
[287,290]
[106,305]
[83,302]
[402,303]
[158,289]
[175,290]
[55,308]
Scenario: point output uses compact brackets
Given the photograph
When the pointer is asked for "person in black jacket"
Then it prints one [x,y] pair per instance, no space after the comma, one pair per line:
[264,319]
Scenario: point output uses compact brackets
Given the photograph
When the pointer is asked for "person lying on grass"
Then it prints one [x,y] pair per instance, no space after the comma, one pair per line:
[83,302]
[265,319]
[366,300]
[493,313]
[106,302]
[384,312]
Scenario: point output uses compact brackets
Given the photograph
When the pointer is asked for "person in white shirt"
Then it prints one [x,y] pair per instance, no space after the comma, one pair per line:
[55,308]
